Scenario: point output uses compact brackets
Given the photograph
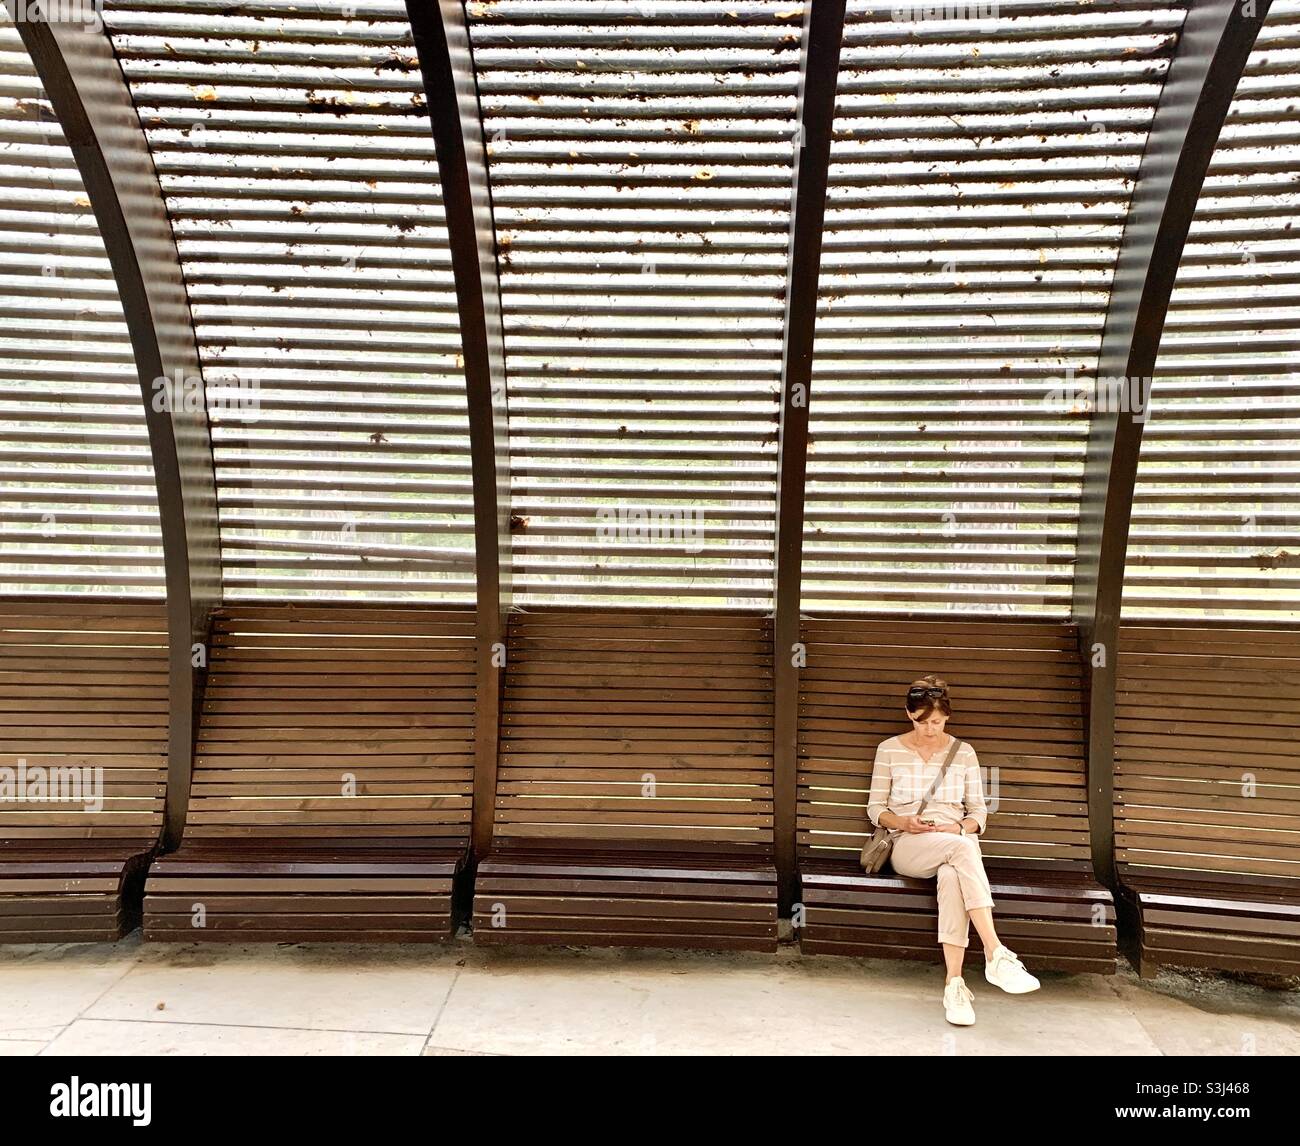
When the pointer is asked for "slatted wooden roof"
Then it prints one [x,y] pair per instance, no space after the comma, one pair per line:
[980,172]
[78,508]
[294,151]
[640,155]
[1216,514]
[640,158]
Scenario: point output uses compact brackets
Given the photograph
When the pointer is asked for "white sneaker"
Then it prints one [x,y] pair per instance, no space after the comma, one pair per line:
[957,1000]
[1006,971]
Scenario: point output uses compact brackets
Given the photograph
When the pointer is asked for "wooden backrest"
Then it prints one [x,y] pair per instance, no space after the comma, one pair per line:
[83,685]
[301,699]
[621,725]
[1207,754]
[1017,697]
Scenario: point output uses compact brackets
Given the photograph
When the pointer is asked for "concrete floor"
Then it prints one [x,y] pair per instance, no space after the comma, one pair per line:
[185,999]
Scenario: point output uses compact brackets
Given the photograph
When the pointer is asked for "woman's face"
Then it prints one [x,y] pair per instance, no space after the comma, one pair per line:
[932,726]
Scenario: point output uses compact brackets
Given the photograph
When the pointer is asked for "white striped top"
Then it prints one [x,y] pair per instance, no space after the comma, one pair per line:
[899,778]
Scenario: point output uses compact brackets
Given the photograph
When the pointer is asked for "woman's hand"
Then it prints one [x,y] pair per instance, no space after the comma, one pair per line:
[915,824]
[955,829]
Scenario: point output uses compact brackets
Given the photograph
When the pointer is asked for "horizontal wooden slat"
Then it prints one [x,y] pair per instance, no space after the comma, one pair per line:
[589,764]
[301,766]
[86,740]
[290,315]
[1208,788]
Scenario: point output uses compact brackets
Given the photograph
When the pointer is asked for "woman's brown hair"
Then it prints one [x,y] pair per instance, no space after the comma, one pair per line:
[922,709]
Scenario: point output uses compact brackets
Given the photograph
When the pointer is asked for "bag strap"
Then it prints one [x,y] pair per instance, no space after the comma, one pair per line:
[952,755]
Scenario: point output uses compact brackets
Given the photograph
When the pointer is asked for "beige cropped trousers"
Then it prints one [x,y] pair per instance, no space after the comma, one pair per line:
[959,868]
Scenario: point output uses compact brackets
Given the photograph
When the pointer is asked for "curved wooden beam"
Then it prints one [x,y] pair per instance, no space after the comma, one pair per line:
[447,64]
[819,70]
[1210,57]
[89,94]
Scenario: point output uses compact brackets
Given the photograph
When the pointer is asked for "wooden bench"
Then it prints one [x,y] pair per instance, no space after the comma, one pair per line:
[634,794]
[1207,795]
[605,897]
[332,786]
[1046,916]
[1017,697]
[1215,923]
[364,891]
[83,685]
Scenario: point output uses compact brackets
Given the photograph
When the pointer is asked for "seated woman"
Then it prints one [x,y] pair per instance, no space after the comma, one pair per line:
[944,842]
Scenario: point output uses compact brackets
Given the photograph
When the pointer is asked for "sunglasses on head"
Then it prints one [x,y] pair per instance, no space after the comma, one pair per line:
[920,692]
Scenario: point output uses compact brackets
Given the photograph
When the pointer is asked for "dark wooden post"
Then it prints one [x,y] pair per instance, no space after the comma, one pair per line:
[447,64]
[819,72]
[1212,50]
[89,94]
